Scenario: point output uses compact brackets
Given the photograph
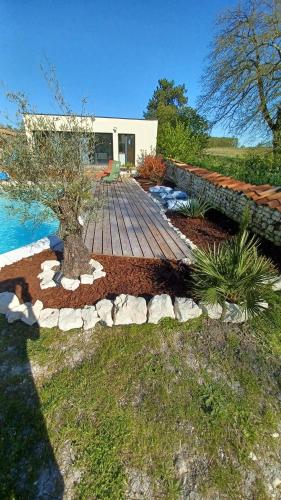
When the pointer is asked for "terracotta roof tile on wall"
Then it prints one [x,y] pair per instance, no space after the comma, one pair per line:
[263,194]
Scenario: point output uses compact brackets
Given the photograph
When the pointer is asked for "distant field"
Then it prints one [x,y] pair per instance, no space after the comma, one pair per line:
[236,152]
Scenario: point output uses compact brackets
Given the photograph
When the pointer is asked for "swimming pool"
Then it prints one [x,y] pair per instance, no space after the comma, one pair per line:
[14,233]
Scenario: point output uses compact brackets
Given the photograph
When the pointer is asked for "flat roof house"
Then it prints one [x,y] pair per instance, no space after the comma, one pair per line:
[120,139]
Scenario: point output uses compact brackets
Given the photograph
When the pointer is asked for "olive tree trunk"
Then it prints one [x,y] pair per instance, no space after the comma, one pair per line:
[76,256]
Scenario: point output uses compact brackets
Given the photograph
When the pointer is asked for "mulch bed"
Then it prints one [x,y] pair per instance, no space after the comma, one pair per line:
[134,276]
[203,232]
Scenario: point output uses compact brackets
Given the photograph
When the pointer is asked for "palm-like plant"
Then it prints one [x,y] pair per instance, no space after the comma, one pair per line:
[195,208]
[234,272]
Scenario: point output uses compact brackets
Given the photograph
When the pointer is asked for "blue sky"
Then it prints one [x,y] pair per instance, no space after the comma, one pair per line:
[110,51]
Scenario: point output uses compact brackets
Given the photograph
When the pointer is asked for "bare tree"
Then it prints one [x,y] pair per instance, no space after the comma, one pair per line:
[46,167]
[242,82]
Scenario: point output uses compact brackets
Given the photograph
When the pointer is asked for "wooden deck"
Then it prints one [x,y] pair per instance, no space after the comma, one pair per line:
[130,223]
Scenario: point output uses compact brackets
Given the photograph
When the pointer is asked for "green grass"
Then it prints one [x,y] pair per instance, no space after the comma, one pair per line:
[230,152]
[135,399]
[254,165]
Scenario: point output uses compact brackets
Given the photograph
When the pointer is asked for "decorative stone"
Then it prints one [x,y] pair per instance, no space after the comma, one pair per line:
[98,274]
[90,317]
[16,313]
[8,300]
[214,311]
[87,279]
[46,275]
[48,283]
[234,314]
[50,264]
[277,285]
[159,307]
[104,309]
[48,318]
[32,312]
[186,309]
[129,310]
[70,284]
[70,319]
[96,265]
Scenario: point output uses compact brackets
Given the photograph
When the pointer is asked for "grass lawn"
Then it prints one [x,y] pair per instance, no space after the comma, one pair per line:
[151,411]
[230,152]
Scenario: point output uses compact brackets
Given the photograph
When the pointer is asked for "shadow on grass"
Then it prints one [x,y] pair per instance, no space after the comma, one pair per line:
[28,467]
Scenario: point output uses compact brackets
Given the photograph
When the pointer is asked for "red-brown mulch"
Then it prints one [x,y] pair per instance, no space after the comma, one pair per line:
[139,277]
[203,232]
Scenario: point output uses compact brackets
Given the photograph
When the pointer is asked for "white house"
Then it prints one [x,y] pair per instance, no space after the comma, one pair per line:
[121,139]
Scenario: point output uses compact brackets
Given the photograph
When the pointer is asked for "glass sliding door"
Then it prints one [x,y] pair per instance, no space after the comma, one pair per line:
[103,148]
[126,145]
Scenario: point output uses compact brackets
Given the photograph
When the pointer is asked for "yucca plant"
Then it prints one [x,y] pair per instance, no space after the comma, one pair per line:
[195,208]
[234,271]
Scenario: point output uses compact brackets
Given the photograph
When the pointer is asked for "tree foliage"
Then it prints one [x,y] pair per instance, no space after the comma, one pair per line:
[180,126]
[242,82]
[46,167]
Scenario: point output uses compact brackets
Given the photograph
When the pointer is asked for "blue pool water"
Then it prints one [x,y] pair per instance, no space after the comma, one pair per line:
[14,233]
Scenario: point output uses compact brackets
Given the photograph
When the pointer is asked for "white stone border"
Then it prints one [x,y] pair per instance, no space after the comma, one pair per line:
[124,310]
[52,241]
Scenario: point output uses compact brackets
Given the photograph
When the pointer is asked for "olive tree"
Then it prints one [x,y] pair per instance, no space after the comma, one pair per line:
[46,167]
[242,82]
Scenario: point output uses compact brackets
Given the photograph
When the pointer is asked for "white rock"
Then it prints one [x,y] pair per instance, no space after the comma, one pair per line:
[87,279]
[46,275]
[276,482]
[49,264]
[98,274]
[214,311]
[16,313]
[275,435]
[186,309]
[129,310]
[252,456]
[96,265]
[90,317]
[277,285]
[70,318]
[104,309]
[32,312]
[70,284]
[8,300]
[188,261]
[160,306]
[234,314]
[48,283]
[48,318]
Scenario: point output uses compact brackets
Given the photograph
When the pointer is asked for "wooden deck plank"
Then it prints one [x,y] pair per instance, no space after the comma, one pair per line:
[124,239]
[178,246]
[130,223]
[167,233]
[106,227]
[130,226]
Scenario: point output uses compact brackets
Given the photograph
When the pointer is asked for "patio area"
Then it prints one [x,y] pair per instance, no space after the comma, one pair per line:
[130,224]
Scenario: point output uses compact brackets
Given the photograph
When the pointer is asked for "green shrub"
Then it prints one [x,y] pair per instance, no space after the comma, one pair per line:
[196,208]
[178,142]
[234,271]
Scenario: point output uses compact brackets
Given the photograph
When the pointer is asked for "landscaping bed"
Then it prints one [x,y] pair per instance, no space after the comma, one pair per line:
[129,275]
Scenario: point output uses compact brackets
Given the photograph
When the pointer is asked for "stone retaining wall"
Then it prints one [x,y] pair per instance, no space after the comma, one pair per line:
[265,221]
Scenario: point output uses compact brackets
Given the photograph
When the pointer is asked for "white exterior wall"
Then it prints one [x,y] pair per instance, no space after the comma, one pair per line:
[145,131]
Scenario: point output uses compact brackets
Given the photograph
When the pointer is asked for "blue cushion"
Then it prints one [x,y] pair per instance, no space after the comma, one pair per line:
[160,189]
[175,205]
[177,195]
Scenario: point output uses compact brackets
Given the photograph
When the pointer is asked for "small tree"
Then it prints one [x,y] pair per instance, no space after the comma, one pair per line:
[46,167]
[241,85]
